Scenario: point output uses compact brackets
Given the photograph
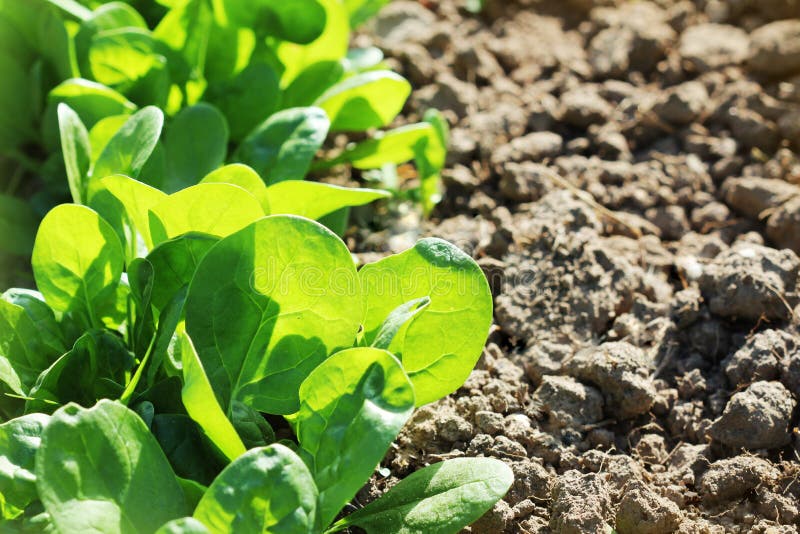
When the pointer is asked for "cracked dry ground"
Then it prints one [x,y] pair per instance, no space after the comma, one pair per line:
[627,175]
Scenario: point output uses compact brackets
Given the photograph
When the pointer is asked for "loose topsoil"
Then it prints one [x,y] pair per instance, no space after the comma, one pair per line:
[626,175]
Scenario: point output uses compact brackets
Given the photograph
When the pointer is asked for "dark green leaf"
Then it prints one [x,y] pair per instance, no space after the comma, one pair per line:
[196,144]
[175,262]
[247,98]
[283,146]
[17,226]
[94,369]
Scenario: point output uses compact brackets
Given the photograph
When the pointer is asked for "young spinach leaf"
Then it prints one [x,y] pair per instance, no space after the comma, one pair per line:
[128,151]
[77,262]
[290,281]
[282,147]
[315,200]
[19,440]
[440,499]
[77,152]
[215,209]
[196,144]
[441,345]
[267,489]
[100,469]
[351,409]
[368,100]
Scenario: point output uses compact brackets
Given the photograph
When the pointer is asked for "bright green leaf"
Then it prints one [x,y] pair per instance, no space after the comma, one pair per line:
[314,199]
[184,525]
[77,261]
[362,10]
[396,146]
[128,151]
[77,152]
[40,313]
[441,345]
[201,404]
[440,499]
[103,131]
[244,177]
[397,319]
[351,409]
[368,100]
[215,209]
[292,284]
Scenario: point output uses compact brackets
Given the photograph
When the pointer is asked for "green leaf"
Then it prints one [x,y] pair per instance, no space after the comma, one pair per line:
[94,369]
[430,158]
[174,262]
[187,450]
[299,21]
[368,100]
[102,132]
[442,498]
[247,98]
[196,143]
[42,316]
[362,10]
[251,426]
[396,146]
[184,525]
[122,57]
[397,319]
[351,409]
[202,406]
[215,209]
[292,284]
[244,177]
[128,151]
[331,45]
[92,101]
[110,16]
[314,199]
[22,355]
[268,489]
[282,147]
[441,345]
[309,84]
[77,261]
[17,225]
[100,470]
[19,441]
[77,152]
[125,203]
[185,29]
[140,277]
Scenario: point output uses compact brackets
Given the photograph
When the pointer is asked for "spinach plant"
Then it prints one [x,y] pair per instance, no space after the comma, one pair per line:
[136,380]
[261,83]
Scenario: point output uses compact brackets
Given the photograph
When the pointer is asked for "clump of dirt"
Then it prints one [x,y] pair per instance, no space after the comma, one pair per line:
[626,174]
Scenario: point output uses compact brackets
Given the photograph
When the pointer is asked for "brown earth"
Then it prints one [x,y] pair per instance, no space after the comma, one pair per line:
[627,176]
